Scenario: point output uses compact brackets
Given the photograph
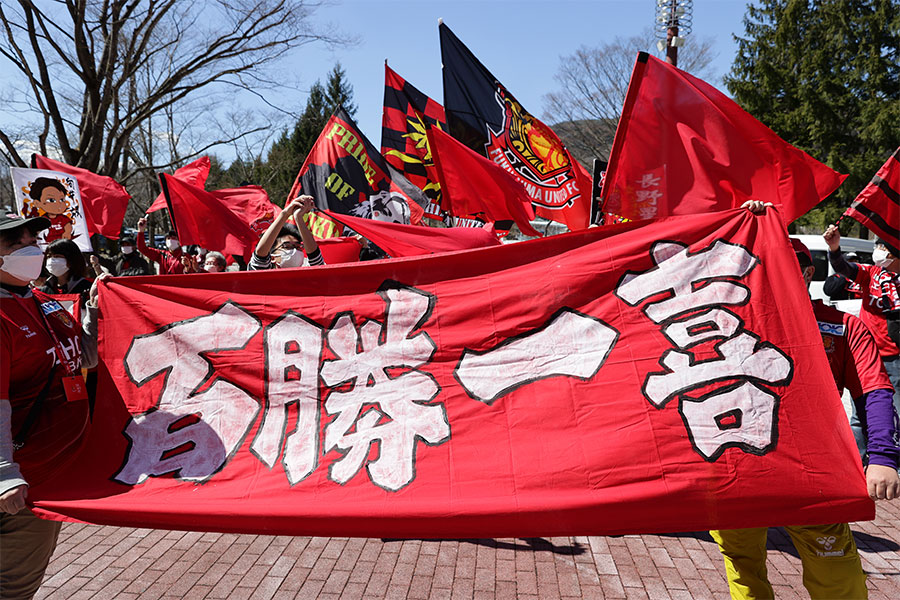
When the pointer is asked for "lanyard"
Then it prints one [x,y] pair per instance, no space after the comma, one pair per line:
[57,345]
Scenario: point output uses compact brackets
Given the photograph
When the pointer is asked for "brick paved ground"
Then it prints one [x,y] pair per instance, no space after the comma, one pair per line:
[112,562]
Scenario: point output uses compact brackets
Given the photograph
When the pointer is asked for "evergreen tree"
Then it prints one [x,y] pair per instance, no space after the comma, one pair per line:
[825,76]
[288,152]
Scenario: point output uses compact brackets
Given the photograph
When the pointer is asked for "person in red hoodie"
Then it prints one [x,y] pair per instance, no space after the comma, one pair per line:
[169,260]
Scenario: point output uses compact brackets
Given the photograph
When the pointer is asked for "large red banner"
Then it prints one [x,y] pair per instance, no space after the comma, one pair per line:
[667,377]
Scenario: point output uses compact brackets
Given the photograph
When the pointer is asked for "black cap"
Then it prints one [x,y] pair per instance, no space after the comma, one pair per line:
[11,221]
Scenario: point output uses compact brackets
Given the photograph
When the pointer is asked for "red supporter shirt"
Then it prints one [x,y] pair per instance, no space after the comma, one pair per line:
[169,264]
[57,227]
[851,351]
[26,356]
[872,279]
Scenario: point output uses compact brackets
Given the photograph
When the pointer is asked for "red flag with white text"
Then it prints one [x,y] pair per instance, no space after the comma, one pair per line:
[592,383]
[683,147]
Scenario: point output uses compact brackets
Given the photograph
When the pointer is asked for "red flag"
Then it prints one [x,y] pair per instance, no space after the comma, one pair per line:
[103,198]
[194,173]
[683,147]
[411,240]
[472,184]
[251,204]
[203,219]
[877,207]
[337,250]
[580,384]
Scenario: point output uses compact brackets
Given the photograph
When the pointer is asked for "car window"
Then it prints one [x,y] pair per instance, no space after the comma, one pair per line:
[820,262]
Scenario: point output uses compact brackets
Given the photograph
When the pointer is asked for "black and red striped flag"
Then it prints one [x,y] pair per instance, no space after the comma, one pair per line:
[407,114]
[877,207]
[484,115]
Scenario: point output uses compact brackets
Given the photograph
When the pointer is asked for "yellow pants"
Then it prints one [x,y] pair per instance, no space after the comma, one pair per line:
[831,565]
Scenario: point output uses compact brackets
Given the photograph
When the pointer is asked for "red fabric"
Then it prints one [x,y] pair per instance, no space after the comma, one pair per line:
[513,391]
[683,147]
[412,240]
[26,355]
[251,204]
[851,351]
[103,198]
[877,207]
[338,250]
[194,173]
[202,218]
[472,184]
[872,279]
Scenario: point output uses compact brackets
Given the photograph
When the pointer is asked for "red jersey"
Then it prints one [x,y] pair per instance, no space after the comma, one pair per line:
[27,353]
[57,227]
[878,285]
[851,351]
[169,263]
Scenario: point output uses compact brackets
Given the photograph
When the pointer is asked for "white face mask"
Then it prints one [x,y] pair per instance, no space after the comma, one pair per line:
[24,264]
[172,245]
[57,266]
[881,257]
[127,249]
[212,267]
[291,258]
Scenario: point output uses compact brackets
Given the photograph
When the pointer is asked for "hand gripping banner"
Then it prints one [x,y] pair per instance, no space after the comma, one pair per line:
[667,377]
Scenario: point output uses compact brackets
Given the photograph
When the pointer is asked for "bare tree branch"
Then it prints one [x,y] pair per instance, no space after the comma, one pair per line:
[592,86]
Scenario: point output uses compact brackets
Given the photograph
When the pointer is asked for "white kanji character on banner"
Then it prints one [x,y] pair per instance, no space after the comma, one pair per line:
[380,362]
[689,281]
[293,354]
[189,433]
[649,180]
[741,416]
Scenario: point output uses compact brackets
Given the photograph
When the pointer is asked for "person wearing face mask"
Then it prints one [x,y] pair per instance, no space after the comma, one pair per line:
[214,262]
[67,270]
[281,245]
[44,410]
[169,260]
[129,262]
[880,298]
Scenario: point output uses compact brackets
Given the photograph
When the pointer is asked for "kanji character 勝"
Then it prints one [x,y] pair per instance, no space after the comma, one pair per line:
[380,362]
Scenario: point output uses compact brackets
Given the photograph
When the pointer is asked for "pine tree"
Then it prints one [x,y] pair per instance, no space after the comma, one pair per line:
[825,76]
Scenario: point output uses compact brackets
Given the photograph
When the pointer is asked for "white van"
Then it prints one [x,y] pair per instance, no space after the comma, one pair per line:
[819,250]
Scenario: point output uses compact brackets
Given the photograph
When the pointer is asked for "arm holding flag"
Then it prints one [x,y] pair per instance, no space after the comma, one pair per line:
[151,253]
[840,265]
[309,242]
[299,206]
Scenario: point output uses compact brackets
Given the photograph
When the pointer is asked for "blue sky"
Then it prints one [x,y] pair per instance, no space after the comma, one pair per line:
[520,41]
